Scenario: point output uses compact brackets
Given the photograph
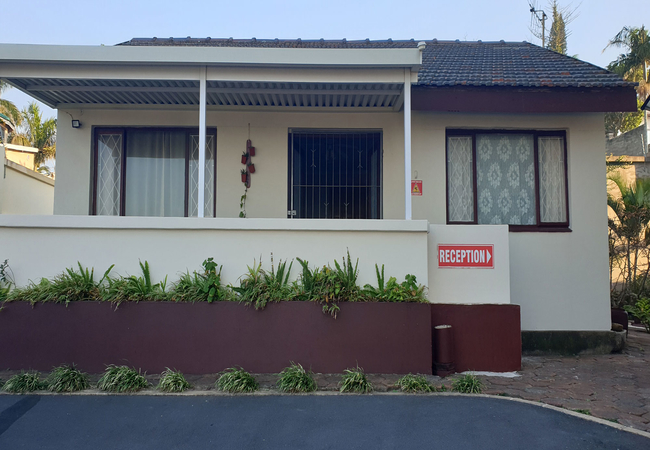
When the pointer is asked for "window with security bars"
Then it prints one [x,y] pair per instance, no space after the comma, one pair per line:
[335,174]
[507,177]
[152,172]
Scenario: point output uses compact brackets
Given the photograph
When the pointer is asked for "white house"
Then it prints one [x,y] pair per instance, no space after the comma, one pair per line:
[388,148]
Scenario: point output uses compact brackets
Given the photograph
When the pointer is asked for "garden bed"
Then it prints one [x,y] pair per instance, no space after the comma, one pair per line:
[199,338]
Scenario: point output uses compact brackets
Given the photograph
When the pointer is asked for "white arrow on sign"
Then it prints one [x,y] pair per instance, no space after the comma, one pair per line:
[489,256]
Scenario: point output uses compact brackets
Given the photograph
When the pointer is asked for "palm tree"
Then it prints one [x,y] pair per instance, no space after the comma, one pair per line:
[630,230]
[8,108]
[37,133]
[633,65]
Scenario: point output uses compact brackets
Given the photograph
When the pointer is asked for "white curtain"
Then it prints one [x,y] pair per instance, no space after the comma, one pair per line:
[208,205]
[505,179]
[552,189]
[155,173]
[460,179]
[109,169]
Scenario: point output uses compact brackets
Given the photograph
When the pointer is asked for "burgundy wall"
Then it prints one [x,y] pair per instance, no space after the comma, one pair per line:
[207,338]
[486,337]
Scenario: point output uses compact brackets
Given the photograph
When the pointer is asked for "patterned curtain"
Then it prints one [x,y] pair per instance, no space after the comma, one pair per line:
[460,179]
[552,189]
[109,170]
[506,179]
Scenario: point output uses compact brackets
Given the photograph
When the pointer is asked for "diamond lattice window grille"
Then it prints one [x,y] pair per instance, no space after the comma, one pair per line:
[109,168]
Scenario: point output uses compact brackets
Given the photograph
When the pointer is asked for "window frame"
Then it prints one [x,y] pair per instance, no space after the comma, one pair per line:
[539,226]
[123,131]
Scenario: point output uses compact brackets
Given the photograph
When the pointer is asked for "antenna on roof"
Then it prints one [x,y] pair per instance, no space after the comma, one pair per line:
[541,17]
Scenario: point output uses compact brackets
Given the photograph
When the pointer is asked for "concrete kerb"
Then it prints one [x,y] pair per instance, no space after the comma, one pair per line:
[269,392]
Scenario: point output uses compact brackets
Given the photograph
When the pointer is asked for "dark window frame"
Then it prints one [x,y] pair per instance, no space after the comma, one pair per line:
[123,131]
[539,226]
[380,169]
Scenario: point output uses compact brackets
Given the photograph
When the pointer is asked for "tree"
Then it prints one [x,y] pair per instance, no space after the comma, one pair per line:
[557,35]
[8,108]
[622,122]
[633,65]
[38,133]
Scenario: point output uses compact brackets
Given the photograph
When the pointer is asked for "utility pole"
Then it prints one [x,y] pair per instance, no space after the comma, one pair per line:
[541,18]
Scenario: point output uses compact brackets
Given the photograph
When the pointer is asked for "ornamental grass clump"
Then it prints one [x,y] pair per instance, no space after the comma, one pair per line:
[355,381]
[392,291]
[135,289]
[67,379]
[236,381]
[414,383]
[70,286]
[24,382]
[295,379]
[173,381]
[467,384]
[121,379]
[201,287]
[260,287]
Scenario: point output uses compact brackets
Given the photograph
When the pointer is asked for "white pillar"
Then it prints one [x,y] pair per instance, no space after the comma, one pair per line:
[201,168]
[407,144]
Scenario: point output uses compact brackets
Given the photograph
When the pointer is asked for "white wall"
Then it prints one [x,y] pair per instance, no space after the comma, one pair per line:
[267,196]
[23,191]
[175,245]
[470,286]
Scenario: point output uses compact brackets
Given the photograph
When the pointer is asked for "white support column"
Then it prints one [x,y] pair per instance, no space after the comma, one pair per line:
[407,144]
[201,163]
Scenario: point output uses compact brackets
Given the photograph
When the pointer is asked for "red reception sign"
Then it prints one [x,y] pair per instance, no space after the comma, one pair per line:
[416,187]
[480,256]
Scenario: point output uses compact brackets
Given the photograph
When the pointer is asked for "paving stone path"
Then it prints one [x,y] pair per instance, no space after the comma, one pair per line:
[614,387]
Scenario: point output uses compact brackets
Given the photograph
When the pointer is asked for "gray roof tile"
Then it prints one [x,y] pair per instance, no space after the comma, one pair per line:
[451,63]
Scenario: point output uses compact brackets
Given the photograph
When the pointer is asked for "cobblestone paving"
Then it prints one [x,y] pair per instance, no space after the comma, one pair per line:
[615,387]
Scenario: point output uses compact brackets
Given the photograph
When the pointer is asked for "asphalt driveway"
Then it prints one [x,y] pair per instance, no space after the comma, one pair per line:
[304,422]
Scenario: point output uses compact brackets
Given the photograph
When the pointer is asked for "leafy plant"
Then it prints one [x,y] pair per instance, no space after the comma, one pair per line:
[242,200]
[24,382]
[6,279]
[121,379]
[67,379]
[296,379]
[70,286]
[583,411]
[392,291]
[355,380]
[467,384]
[237,380]
[259,287]
[173,381]
[134,288]
[201,287]
[641,310]
[414,383]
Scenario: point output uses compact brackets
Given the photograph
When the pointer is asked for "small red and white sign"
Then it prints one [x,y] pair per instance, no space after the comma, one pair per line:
[466,256]
[416,187]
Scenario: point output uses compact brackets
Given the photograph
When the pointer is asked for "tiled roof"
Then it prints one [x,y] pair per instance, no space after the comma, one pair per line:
[451,63]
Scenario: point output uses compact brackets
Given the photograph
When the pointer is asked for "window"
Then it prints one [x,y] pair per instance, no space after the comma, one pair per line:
[506,177]
[335,174]
[152,172]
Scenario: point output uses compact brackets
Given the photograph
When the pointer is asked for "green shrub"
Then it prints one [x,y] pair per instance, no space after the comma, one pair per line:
[355,380]
[121,379]
[24,382]
[296,379]
[201,287]
[392,291]
[259,287]
[236,380]
[67,379]
[173,381]
[6,280]
[467,384]
[135,289]
[641,310]
[70,286]
[414,383]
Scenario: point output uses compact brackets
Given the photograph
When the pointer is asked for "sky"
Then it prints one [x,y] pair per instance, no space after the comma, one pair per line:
[93,22]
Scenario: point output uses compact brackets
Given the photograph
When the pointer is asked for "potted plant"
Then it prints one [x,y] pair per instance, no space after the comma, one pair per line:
[251,168]
[244,158]
[244,176]
[251,151]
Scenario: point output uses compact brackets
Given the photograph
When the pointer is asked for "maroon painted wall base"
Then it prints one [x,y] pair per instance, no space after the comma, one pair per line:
[207,338]
[486,337]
